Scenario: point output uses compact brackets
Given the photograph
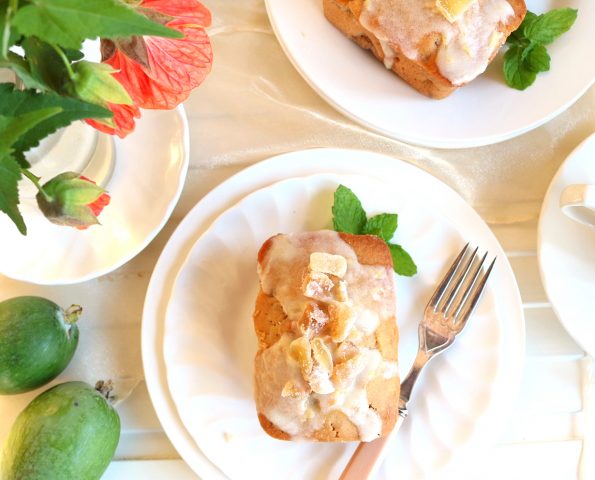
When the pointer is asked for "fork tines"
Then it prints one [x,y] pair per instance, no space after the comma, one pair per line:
[462,286]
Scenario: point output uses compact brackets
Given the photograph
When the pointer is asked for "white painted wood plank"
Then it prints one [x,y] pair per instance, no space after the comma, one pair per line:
[550,385]
[149,470]
[526,271]
[546,336]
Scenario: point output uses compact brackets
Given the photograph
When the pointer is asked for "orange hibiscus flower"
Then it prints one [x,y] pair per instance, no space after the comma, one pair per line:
[158,72]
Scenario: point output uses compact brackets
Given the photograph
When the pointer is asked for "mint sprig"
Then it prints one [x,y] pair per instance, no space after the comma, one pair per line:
[348,214]
[527,55]
[350,217]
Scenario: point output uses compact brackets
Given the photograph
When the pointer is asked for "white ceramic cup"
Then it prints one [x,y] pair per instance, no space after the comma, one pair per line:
[578,202]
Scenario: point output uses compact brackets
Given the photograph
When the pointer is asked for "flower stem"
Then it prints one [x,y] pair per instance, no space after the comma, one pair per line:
[65,60]
[35,181]
[13,5]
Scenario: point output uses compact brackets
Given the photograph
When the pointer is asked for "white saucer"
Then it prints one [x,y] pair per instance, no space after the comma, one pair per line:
[566,250]
[337,162]
[147,180]
[483,112]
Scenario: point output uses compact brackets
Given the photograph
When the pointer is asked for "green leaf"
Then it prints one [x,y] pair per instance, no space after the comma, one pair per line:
[10,174]
[549,26]
[95,83]
[68,22]
[516,72]
[518,37]
[403,264]
[47,66]
[528,22]
[73,55]
[19,66]
[537,59]
[3,8]
[12,128]
[15,102]
[383,226]
[14,34]
[348,213]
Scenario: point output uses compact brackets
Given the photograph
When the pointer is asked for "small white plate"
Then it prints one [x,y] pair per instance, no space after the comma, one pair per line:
[147,180]
[485,111]
[446,214]
[566,250]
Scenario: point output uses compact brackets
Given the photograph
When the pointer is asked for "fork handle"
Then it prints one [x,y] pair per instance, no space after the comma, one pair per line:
[369,455]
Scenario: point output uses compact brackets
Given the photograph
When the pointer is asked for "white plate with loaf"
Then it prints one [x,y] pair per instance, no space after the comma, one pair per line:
[201,379]
[483,111]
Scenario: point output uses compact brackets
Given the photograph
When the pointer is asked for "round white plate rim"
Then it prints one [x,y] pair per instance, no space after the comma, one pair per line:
[140,246]
[435,142]
[553,298]
[199,219]
[239,204]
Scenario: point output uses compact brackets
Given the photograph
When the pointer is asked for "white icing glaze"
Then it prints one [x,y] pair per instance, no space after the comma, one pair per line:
[368,292]
[466,46]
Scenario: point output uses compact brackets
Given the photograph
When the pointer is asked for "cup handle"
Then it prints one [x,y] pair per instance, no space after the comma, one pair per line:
[578,203]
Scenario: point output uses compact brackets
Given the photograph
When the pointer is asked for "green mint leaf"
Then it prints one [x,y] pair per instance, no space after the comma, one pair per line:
[12,128]
[516,72]
[15,102]
[46,65]
[537,59]
[527,23]
[348,213]
[383,226]
[10,174]
[518,37]
[549,26]
[68,22]
[403,264]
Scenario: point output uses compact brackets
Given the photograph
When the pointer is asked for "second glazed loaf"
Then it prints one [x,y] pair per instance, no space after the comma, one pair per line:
[415,40]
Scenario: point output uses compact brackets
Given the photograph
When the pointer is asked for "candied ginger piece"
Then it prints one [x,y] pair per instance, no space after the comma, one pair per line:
[328,263]
[453,9]
[312,320]
[318,286]
[341,321]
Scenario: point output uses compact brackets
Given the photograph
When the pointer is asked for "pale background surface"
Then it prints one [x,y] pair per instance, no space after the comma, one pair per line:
[255,105]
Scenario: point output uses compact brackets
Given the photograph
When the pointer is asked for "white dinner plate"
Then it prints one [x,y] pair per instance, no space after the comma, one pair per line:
[148,176]
[566,250]
[441,212]
[483,112]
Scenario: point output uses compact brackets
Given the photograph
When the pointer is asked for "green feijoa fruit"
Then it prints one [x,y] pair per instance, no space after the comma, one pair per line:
[37,341]
[68,432]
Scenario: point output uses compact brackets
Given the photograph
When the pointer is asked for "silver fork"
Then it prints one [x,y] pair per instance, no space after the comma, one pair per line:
[445,316]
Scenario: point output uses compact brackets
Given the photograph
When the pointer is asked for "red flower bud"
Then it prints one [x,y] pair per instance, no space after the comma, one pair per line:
[72,200]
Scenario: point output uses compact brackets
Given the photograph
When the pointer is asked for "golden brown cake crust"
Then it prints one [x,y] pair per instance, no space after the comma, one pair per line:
[270,322]
[423,74]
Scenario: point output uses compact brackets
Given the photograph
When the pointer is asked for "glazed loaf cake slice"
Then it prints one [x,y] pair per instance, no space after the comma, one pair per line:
[326,366]
[414,38]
